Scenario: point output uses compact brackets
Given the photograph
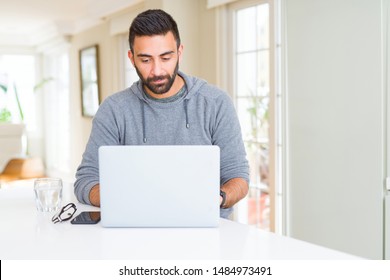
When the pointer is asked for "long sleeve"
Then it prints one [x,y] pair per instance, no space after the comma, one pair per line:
[227,135]
[104,132]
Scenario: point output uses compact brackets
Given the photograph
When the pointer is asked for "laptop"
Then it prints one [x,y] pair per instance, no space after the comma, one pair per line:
[159,186]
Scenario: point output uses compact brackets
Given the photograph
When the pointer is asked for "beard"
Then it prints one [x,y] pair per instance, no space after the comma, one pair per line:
[159,88]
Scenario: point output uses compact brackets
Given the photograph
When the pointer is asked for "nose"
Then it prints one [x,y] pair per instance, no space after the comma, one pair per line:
[156,68]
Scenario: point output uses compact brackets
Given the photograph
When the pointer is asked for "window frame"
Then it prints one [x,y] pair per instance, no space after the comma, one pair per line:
[231,83]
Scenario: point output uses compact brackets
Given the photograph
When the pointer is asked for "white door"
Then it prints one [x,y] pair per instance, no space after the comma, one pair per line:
[387,227]
[386,24]
[336,124]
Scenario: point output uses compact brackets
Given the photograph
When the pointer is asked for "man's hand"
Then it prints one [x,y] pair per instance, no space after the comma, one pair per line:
[94,195]
[235,189]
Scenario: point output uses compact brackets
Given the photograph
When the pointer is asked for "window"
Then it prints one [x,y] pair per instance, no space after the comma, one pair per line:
[252,87]
[129,74]
[41,103]
[17,80]
[56,115]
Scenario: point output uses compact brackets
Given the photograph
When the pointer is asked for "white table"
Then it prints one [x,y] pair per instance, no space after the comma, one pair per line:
[28,234]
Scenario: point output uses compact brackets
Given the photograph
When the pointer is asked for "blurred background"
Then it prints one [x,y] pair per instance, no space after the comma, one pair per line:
[308,79]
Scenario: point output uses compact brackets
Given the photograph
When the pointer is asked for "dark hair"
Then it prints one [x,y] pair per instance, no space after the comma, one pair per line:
[153,22]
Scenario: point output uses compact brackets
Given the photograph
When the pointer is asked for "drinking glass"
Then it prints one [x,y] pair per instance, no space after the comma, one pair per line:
[48,194]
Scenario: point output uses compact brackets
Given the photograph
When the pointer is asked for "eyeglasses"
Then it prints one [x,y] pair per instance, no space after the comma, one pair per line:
[65,214]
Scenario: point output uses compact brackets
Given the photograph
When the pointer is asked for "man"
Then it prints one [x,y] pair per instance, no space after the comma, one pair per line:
[165,107]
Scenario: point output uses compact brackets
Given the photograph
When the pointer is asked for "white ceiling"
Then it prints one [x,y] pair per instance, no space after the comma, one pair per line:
[28,22]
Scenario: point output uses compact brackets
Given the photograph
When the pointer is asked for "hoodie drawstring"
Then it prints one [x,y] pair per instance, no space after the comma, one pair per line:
[186,111]
[143,123]
[144,139]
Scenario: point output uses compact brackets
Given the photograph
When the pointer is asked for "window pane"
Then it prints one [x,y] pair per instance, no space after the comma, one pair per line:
[258,158]
[246,29]
[262,18]
[246,74]
[245,118]
[56,121]
[258,197]
[17,74]
[263,76]
[253,115]
[252,92]
[130,74]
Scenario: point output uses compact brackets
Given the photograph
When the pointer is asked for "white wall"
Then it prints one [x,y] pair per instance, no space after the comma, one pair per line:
[335,124]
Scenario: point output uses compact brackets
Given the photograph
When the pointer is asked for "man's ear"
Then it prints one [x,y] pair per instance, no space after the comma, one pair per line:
[130,56]
[180,52]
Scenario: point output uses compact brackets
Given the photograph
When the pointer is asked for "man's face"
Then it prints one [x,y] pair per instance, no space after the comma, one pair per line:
[156,60]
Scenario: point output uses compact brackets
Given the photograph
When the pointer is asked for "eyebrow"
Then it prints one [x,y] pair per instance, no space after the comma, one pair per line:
[148,55]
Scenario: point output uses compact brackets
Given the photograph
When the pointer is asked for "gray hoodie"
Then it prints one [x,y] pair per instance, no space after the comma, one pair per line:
[204,116]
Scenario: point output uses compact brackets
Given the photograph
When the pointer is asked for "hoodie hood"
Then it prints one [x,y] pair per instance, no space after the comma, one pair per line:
[191,83]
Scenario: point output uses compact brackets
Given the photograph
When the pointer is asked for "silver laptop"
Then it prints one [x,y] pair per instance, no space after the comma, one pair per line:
[159,186]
